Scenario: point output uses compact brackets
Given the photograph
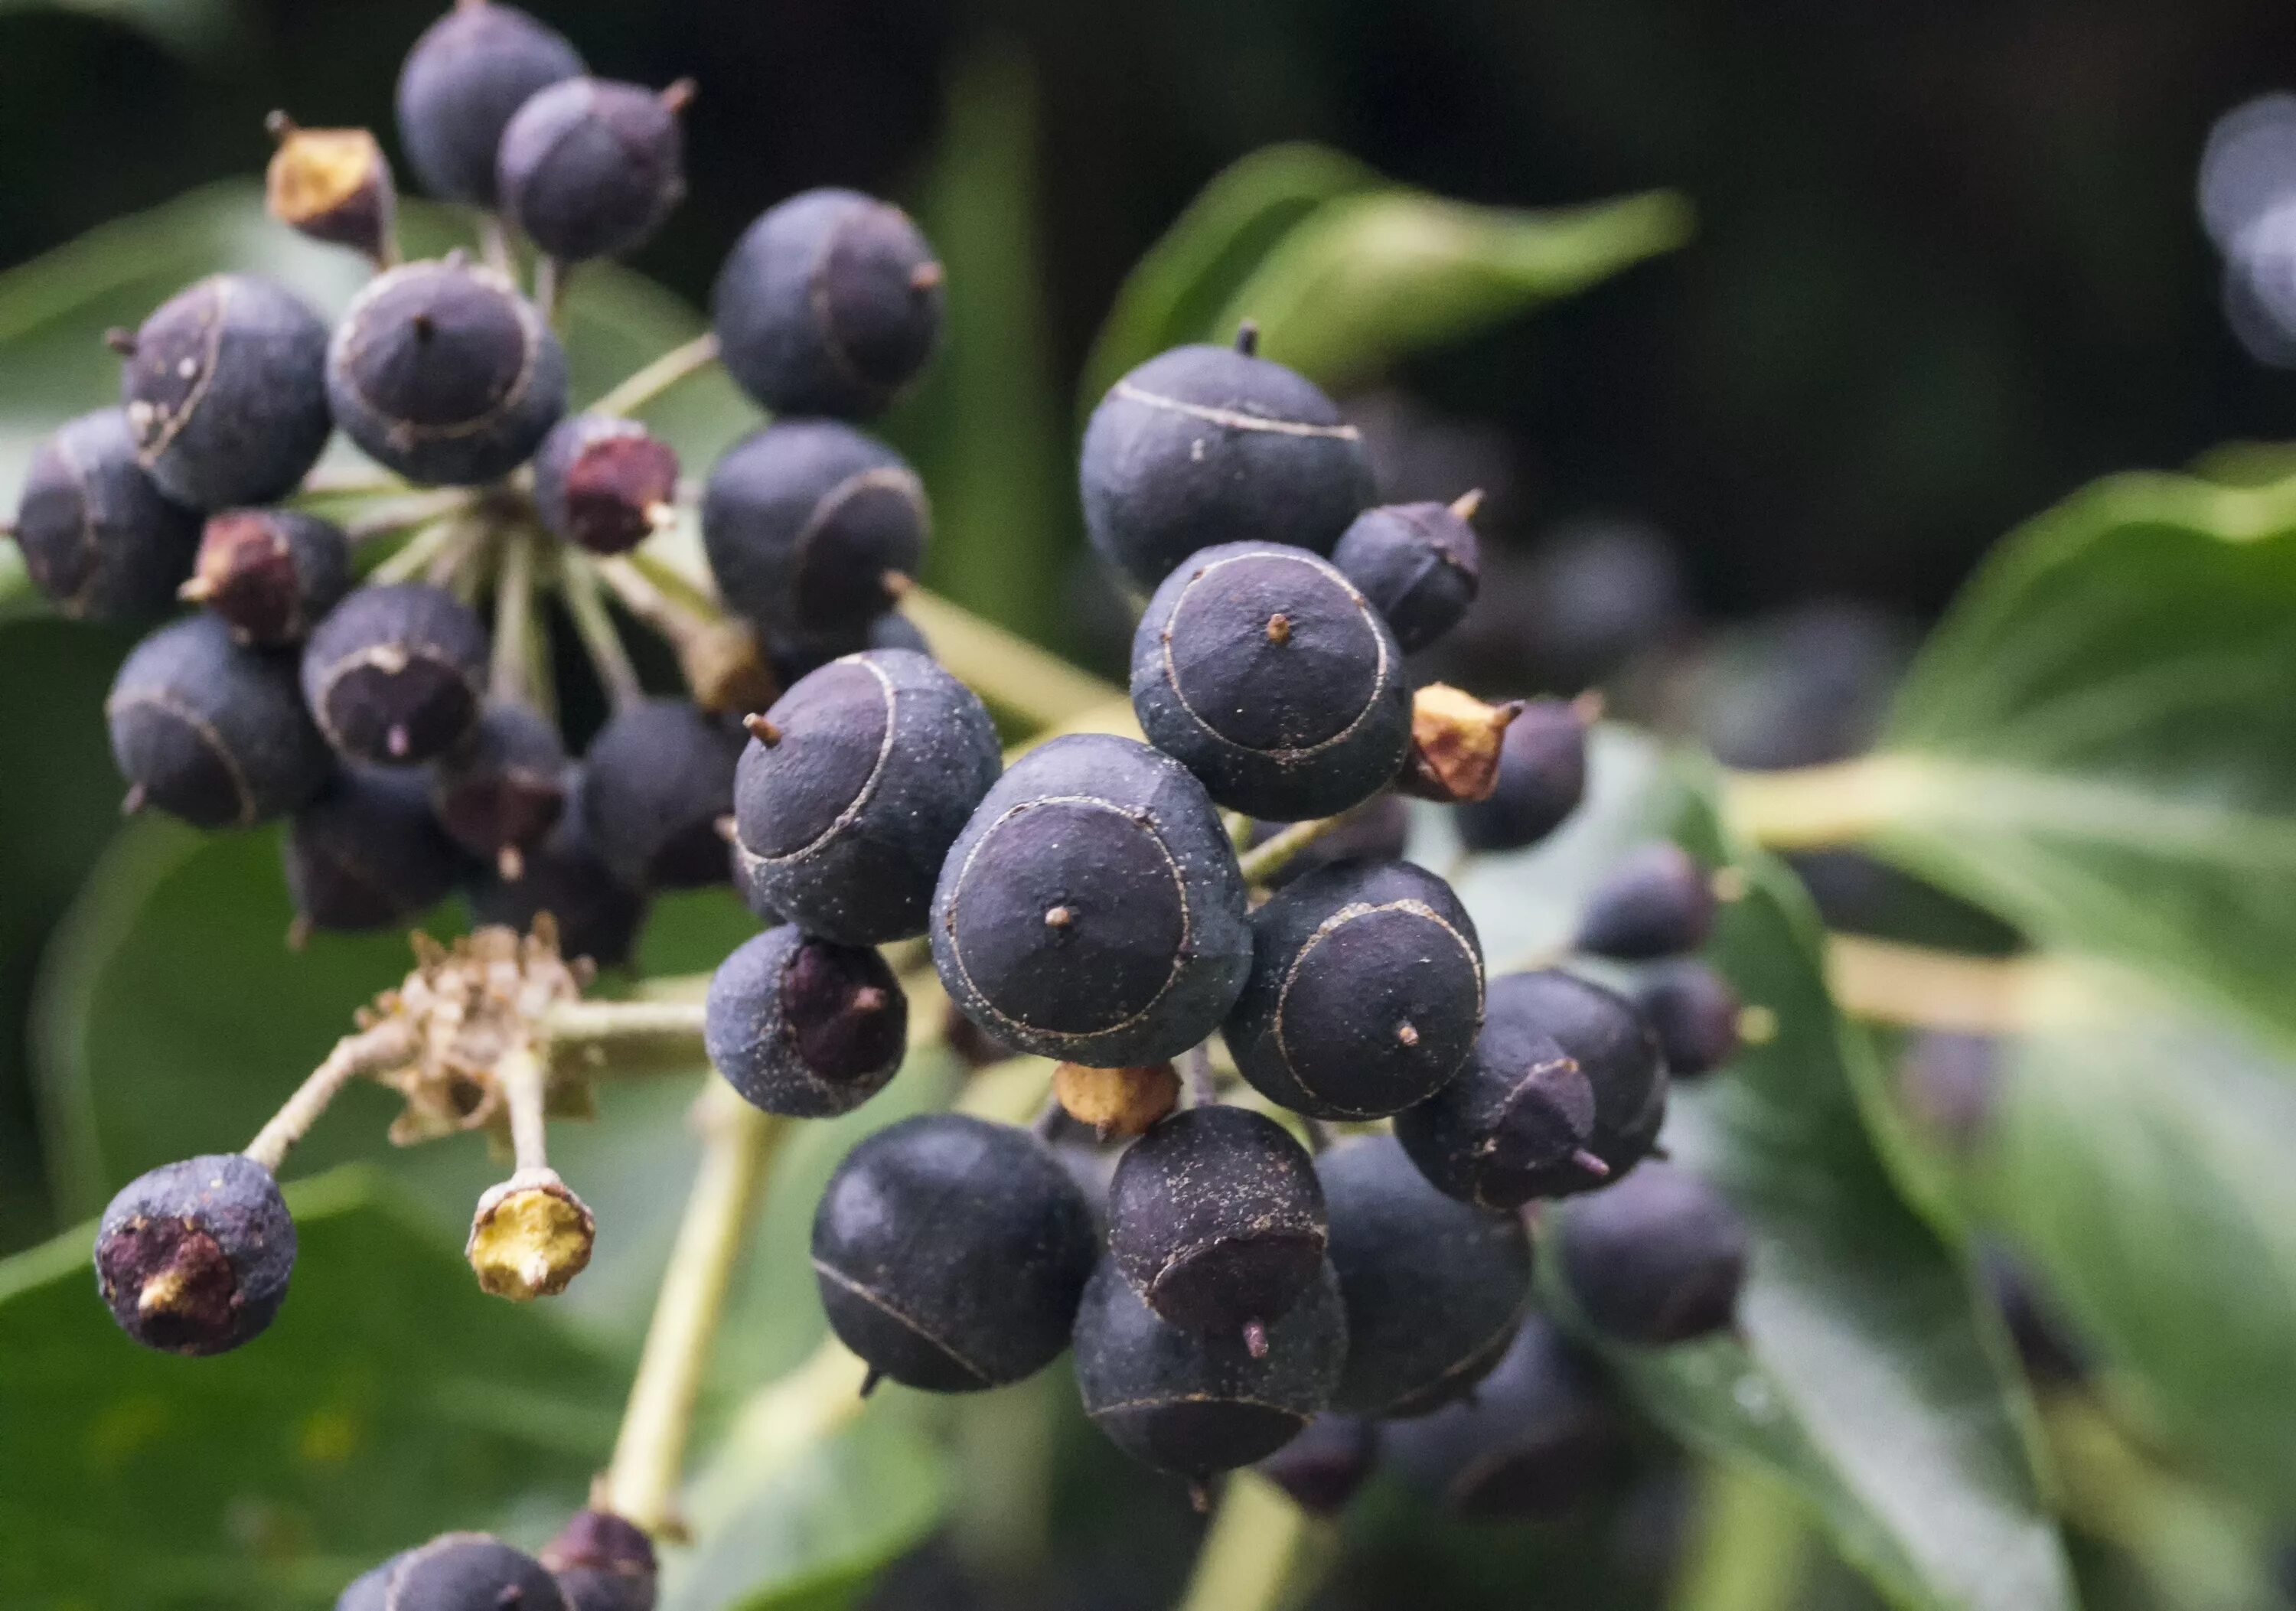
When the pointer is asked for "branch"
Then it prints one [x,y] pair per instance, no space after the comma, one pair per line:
[370,1051]
[509,674]
[649,382]
[623,1037]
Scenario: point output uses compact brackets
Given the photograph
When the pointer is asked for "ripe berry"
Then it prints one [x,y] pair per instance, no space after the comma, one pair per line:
[656,779]
[1216,1217]
[804,1026]
[1322,1467]
[829,304]
[813,527]
[1656,902]
[589,168]
[1205,446]
[101,540]
[194,1257]
[470,1571]
[210,730]
[1198,1403]
[1265,671]
[271,574]
[367,853]
[851,790]
[1542,778]
[504,786]
[601,1563]
[394,673]
[1537,1435]
[1434,1287]
[603,483]
[598,915]
[1365,993]
[1695,1012]
[225,390]
[466,79]
[1418,563]
[1375,831]
[951,1251]
[1658,1258]
[1091,910]
[1564,1091]
[445,373]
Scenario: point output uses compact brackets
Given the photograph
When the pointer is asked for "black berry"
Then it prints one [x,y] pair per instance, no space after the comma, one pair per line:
[655,781]
[271,574]
[1434,1287]
[1656,902]
[951,1252]
[1204,445]
[1323,1467]
[210,730]
[1418,563]
[367,853]
[466,79]
[603,1563]
[1659,1258]
[394,674]
[226,391]
[598,915]
[1215,1216]
[1542,778]
[194,1257]
[1694,1014]
[101,540]
[442,372]
[829,304]
[590,167]
[1091,910]
[852,789]
[603,483]
[1376,830]
[1198,1403]
[813,527]
[804,1026]
[502,786]
[1365,993]
[470,1571]
[1265,671]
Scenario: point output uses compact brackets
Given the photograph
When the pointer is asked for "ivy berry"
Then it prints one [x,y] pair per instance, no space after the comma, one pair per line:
[210,730]
[1659,1258]
[655,781]
[394,674]
[603,483]
[463,82]
[804,1026]
[194,1257]
[1418,563]
[271,574]
[589,168]
[100,539]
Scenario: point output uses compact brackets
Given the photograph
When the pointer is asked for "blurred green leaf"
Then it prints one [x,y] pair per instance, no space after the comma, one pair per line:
[391,1401]
[192,27]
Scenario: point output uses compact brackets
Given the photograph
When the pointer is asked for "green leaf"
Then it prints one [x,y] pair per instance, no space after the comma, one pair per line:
[192,27]
[391,1401]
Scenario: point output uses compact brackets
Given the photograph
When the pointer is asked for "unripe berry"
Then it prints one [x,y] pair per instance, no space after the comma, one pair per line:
[603,483]
[1091,910]
[212,731]
[101,540]
[589,168]
[463,81]
[225,390]
[803,1026]
[1656,902]
[1418,563]
[829,304]
[194,1257]
[367,853]
[394,674]
[655,781]
[1659,1258]
[271,574]
[442,372]
[1694,1014]
[1542,778]
[598,915]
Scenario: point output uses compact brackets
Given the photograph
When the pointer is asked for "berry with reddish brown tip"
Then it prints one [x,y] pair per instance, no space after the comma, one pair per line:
[605,483]
[598,915]
[603,1563]
[101,540]
[504,786]
[394,674]
[804,1026]
[194,1257]
[271,574]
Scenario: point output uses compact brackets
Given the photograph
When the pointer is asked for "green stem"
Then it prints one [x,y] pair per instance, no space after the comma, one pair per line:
[649,382]
[1258,1540]
[1750,1547]
[399,514]
[1264,861]
[1815,807]
[577,584]
[509,677]
[416,556]
[624,1037]
[1008,670]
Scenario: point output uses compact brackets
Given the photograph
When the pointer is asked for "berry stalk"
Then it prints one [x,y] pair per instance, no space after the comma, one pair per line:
[1263,863]
[651,381]
[509,676]
[370,1051]
[577,584]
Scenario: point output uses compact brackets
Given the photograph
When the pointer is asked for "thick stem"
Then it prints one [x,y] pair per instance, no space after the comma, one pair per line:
[494,244]
[351,483]
[509,676]
[549,284]
[1915,986]
[577,584]
[649,382]
[623,1037]
[1264,861]
[370,1051]
[1196,1069]
[1813,808]
[649,1459]
[1251,1549]
[1006,670]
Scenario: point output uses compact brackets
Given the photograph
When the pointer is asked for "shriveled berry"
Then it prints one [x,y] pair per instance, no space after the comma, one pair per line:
[603,1563]
[804,1026]
[1322,1467]
[1365,993]
[332,184]
[1694,1014]
[1457,741]
[951,1252]
[829,304]
[1205,446]
[463,81]
[1542,778]
[853,787]
[271,574]
[502,786]
[1198,1403]
[1656,902]
[602,482]
[394,674]
[590,167]
[194,1257]
[1375,831]
[656,779]
[367,853]
[212,731]
[1275,681]
[1216,1217]
[1419,564]
[1435,1289]
[442,372]
[226,391]
[813,529]
[1115,1101]
[598,915]
[1092,911]
[1659,1258]
[471,1571]
[101,540]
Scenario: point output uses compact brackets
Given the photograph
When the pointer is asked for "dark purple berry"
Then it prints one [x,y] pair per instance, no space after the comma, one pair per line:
[1542,778]
[1375,831]
[603,483]
[271,574]
[101,540]
[1418,563]
[1694,1014]
[463,81]
[226,392]
[656,778]
[502,786]
[1323,1467]
[367,853]
[590,167]
[470,1571]
[394,674]
[1656,902]
[194,1257]
[798,658]
[804,1026]
[598,915]
[603,1563]
[212,731]
[1659,1258]
[829,304]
